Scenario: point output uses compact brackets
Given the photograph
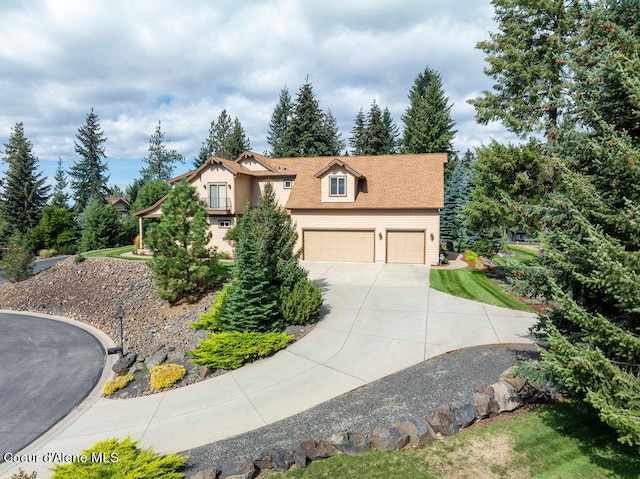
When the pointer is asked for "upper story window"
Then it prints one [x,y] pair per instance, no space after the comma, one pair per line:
[218,196]
[288,184]
[338,186]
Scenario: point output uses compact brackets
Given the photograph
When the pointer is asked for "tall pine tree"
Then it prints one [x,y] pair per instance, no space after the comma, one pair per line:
[89,174]
[527,59]
[310,131]
[276,136]
[428,126]
[590,268]
[60,197]
[25,192]
[227,139]
[161,162]
[375,133]
[237,141]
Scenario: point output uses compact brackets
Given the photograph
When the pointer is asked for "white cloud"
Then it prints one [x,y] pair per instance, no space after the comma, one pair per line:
[183,62]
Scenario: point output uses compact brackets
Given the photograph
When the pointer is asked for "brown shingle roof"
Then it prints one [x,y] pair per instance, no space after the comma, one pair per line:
[390,181]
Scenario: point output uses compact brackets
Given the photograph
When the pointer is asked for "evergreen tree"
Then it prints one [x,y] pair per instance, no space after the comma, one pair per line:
[149,194]
[278,125]
[590,266]
[428,126]
[101,226]
[17,263]
[527,61]
[183,265]
[25,192]
[503,176]
[457,192]
[161,161]
[58,229]
[237,142]
[390,133]
[60,197]
[215,144]
[310,131]
[358,134]
[88,175]
[266,267]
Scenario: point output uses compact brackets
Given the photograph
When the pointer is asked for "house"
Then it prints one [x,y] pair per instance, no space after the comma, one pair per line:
[120,203]
[352,208]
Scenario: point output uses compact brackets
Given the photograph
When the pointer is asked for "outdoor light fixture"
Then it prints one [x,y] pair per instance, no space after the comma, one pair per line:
[119,314]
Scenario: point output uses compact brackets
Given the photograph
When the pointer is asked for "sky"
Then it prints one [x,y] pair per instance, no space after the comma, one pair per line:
[138,62]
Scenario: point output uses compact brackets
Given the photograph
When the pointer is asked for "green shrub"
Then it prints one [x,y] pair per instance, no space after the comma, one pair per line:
[233,349]
[17,263]
[471,256]
[211,319]
[166,375]
[121,460]
[79,258]
[47,253]
[302,304]
[116,384]
[485,247]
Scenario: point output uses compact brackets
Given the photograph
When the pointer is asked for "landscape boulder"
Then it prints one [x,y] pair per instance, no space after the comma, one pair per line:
[444,421]
[484,405]
[419,431]
[464,412]
[351,443]
[155,359]
[311,450]
[238,470]
[274,459]
[208,473]
[124,363]
[388,438]
[506,396]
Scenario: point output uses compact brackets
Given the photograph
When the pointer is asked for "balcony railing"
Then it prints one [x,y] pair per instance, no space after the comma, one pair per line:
[220,204]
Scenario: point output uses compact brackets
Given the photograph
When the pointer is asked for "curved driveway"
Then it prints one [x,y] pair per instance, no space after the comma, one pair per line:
[47,367]
[379,319]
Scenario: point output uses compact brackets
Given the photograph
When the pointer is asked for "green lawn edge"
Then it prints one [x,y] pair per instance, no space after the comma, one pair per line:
[474,285]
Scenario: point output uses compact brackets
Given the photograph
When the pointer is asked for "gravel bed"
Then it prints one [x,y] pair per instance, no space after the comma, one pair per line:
[414,391]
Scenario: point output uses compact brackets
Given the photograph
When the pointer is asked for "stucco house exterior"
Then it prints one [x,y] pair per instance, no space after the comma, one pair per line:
[351,208]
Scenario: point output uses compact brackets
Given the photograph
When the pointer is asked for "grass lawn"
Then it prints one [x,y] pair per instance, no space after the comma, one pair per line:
[113,253]
[553,441]
[474,285]
[524,255]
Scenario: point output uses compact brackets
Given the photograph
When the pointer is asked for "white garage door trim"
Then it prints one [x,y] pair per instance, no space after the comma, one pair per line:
[406,246]
[338,244]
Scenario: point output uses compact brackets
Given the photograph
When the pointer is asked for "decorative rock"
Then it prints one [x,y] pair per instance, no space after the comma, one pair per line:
[350,443]
[274,459]
[124,362]
[481,403]
[388,439]
[209,473]
[505,396]
[176,355]
[311,450]
[464,412]
[516,382]
[239,470]
[154,360]
[419,431]
[444,421]
[203,371]
[138,366]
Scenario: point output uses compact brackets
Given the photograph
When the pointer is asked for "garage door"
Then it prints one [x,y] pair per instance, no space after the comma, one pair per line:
[338,245]
[405,246]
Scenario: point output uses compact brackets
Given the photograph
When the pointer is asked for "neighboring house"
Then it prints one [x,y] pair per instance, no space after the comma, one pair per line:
[120,203]
[353,208]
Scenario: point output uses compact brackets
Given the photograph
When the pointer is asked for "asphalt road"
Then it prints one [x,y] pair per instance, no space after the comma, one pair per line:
[47,367]
[39,265]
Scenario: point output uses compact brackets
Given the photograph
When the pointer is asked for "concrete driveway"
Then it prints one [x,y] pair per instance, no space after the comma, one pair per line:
[378,319]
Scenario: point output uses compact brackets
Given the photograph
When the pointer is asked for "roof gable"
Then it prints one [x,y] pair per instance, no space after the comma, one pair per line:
[337,163]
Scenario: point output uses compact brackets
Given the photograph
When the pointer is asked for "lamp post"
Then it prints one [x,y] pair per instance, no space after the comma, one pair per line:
[119,314]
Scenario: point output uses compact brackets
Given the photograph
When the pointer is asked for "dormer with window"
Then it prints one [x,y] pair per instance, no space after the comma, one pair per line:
[338,182]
